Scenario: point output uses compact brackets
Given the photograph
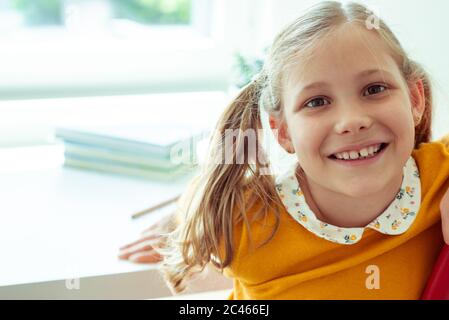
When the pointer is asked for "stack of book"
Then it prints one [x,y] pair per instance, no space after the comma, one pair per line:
[160,152]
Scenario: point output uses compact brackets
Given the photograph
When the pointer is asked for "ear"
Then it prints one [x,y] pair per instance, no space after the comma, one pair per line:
[280,131]
[418,100]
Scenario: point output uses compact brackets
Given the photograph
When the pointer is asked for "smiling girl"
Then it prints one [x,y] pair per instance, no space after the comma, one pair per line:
[358,215]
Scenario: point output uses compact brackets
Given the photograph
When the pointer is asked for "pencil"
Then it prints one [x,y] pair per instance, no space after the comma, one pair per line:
[155,207]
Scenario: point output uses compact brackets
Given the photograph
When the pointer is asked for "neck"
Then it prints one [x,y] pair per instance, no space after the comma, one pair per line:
[345,211]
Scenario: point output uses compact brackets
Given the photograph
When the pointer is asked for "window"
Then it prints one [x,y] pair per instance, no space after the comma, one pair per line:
[54,48]
[154,11]
[59,12]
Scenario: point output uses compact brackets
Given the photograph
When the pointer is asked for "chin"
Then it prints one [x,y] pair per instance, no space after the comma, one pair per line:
[361,189]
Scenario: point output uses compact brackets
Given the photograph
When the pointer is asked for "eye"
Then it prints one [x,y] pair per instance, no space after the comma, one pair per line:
[317,102]
[375,89]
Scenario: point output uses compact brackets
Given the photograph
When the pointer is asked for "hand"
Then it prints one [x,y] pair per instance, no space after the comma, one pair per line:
[143,250]
[444,207]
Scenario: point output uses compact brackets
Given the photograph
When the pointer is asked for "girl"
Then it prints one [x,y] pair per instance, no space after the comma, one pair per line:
[357,216]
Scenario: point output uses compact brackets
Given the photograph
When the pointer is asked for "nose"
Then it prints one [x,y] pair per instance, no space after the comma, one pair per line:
[352,119]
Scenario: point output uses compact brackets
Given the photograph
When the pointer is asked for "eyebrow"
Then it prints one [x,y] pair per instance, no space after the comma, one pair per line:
[362,74]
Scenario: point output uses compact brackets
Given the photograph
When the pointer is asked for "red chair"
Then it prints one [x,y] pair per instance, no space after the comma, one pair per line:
[437,287]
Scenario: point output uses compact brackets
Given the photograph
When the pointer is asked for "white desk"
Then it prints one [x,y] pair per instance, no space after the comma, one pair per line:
[62,223]
[65,223]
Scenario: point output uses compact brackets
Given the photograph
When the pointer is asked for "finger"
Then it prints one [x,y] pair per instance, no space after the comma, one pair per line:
[148,237]
[146,257]
[142,246]
[124,255]
[145,238]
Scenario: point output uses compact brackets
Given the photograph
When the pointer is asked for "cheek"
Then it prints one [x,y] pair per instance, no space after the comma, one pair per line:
[307,140]
[400,120]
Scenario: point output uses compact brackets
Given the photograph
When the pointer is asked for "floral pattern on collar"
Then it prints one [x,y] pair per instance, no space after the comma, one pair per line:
[395,220]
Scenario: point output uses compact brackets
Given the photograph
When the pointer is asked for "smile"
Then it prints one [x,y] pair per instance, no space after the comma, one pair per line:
[356,159]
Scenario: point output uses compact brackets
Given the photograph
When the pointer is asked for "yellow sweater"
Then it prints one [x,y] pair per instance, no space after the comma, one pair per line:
[296,264]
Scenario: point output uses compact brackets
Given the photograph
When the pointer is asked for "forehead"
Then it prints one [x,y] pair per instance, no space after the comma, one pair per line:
[340,56]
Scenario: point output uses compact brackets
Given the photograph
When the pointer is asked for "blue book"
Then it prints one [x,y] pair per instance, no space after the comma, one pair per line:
[157,140]
[126,169]
[100,153]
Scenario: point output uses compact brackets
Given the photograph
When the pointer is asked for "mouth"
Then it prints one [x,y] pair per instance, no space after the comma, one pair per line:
[362,160]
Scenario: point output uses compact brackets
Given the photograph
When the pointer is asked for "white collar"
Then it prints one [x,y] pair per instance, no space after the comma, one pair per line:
[396,219]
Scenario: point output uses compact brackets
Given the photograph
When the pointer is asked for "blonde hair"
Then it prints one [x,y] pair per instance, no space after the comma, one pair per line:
[224,192]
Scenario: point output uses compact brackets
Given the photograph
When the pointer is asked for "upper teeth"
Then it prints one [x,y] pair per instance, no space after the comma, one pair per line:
[364,152]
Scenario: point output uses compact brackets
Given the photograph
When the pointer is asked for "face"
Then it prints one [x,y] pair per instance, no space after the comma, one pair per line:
[350,92]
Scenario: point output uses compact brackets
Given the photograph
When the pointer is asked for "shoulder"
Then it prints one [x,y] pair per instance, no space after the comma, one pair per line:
[445,140]
[432,160]
[433,153]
